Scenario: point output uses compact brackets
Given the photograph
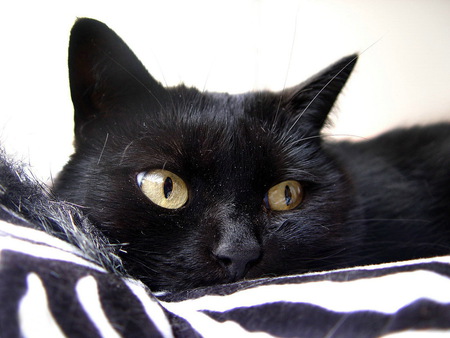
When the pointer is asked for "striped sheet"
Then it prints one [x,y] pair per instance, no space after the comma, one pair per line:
[48,289]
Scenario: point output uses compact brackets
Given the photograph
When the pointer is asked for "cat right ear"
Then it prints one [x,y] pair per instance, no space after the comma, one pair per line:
[310,102]
[105,76]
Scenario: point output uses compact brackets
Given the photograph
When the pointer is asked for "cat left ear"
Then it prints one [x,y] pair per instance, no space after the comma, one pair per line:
[106,78]
[312,100]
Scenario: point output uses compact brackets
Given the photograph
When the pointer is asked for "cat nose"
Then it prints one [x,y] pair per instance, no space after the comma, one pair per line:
[237,260]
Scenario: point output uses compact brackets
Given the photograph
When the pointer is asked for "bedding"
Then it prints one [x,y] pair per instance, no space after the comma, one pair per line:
[59,277]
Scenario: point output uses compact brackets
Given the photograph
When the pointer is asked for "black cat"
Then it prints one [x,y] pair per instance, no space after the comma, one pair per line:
[204,188]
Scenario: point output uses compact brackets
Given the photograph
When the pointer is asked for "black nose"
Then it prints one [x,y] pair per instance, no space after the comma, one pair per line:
[236,260]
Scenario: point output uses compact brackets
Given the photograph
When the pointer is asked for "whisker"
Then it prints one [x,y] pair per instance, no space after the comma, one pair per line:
[103,149]
[288,66]
[125,151]
[344,135]
[328,83]
[388,220]
[143,264]
[320,92]
[208,74]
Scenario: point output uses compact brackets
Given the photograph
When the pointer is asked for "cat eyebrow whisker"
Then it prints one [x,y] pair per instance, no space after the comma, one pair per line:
[389,220]
[331,135]
[292,48]
[320,92]
[103,149]
[331,80]
[290,144]
[289,64]
[307,138]
[344,135]
[125,151]
[207,76]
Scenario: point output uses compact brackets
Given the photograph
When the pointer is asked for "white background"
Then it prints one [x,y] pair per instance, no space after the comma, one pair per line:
[401,79]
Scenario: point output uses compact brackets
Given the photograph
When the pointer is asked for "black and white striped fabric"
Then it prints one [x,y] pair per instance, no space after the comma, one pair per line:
[60,277]
[49,289]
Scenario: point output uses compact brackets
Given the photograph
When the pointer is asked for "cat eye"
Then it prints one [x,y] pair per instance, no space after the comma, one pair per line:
[284,196]
[163,188]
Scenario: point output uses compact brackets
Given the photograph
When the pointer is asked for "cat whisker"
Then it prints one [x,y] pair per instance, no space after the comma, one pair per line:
[103,149]
[333,255]
[288,65]
[127,147]
[148,270]
[146,252]
[353,136]
[328,83]
[320,92]
[293,142]
[273,232]
[125,151]
[388,220]
[204,90]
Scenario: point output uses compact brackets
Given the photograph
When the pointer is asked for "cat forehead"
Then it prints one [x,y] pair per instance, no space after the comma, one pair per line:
[190,103]
[198,139]
[198,129]
[209,133]
[204,114]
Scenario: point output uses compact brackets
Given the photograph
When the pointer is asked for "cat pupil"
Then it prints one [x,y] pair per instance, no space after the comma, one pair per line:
[168,187]
[287,195]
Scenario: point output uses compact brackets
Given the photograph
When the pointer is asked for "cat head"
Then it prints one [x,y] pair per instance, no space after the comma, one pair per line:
[202,188]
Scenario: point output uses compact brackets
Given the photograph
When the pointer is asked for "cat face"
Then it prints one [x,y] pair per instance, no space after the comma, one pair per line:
[203,188]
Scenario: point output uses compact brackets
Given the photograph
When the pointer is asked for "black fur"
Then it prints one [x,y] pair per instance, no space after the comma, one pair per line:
[368,202]
[26,202]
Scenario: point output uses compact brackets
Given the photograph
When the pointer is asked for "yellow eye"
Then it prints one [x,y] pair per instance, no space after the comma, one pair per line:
[286,195]
[163,188]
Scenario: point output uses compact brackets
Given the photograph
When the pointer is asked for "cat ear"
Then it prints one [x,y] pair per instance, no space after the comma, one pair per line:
[311,101]
[105,76]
